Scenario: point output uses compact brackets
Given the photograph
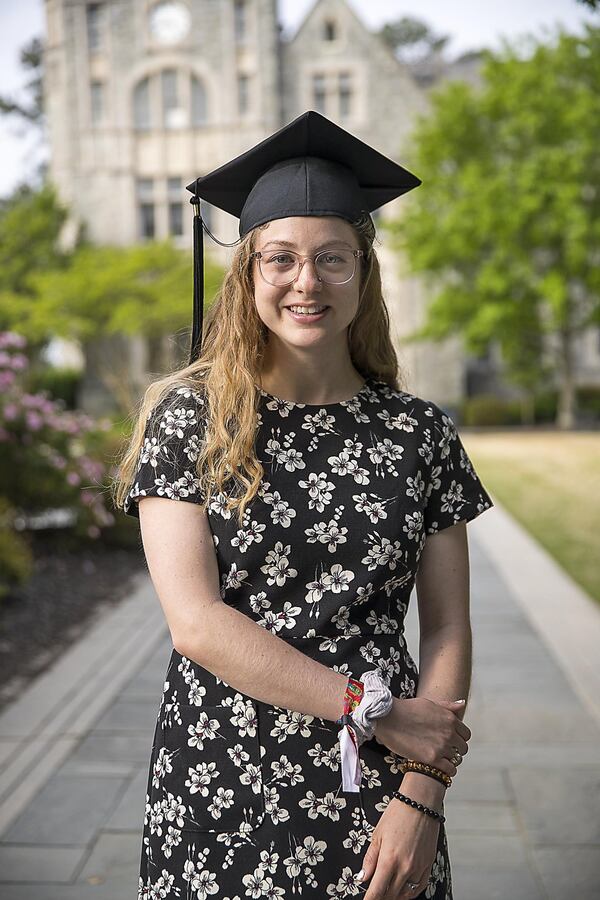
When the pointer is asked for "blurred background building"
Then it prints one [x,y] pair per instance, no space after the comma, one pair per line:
[144,95]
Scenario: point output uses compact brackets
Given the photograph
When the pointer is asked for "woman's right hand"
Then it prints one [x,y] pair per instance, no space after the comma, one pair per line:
[425,730]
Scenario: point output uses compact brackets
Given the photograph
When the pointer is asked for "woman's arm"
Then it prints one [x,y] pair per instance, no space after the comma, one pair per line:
[403,845]
[445,646]
[183,565]
[181,558]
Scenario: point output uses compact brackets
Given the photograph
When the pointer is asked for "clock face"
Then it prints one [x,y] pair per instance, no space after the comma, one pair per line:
[169,22]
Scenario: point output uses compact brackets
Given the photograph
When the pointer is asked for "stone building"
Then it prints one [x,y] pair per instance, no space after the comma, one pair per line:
[143,95]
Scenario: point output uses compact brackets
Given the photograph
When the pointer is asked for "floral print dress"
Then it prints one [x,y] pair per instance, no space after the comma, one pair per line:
[244,798]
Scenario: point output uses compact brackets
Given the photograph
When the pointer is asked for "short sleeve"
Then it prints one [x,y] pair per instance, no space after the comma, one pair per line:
[454,492]
[171,445]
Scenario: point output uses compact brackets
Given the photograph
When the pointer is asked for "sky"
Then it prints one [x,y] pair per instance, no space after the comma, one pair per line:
[470,24]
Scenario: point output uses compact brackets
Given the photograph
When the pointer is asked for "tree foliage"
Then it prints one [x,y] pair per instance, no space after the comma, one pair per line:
[411,39]
[31,59]
[92,291]
[30,225]
[144,289]
[507,222]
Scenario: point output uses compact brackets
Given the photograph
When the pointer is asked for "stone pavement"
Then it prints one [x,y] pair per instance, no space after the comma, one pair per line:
[523,813]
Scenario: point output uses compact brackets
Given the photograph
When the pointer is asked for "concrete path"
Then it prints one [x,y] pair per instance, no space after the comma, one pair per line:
[523,813]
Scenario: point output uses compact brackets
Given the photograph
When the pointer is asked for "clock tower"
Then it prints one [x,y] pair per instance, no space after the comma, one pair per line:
[169,22]
[142,96]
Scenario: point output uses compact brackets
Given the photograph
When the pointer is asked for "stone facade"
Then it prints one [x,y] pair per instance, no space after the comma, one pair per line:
[143,95]
[337,66]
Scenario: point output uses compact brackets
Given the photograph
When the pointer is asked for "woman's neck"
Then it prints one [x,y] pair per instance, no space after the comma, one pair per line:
[301,386]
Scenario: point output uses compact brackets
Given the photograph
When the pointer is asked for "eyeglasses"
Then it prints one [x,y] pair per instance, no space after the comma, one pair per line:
[281,267]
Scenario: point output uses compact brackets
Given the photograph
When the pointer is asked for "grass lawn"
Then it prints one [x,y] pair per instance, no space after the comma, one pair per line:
[550,482]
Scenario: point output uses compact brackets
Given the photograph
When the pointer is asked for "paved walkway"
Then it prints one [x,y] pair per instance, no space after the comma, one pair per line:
[523,813]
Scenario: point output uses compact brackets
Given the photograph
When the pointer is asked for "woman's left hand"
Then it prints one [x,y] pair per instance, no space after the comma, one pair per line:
[402,849]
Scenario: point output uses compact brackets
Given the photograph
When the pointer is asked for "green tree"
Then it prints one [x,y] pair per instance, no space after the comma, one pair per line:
[30,111]
[30,225]
[412,39]
[32,59]
[507,222]
[144,290]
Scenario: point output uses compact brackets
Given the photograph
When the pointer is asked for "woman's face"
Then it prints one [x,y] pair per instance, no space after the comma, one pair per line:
[307,235]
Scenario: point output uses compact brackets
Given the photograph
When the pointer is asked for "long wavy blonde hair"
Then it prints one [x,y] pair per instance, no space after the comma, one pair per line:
[228,370]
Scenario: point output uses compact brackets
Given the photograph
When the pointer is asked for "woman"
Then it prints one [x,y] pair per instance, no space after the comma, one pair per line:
[321,492]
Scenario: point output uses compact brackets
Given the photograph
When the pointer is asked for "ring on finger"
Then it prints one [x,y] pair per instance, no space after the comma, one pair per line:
[412,885]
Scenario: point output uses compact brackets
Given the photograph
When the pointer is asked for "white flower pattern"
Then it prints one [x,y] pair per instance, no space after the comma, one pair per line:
[244,798]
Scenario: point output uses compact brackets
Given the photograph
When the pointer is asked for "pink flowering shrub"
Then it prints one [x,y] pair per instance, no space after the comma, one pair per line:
[46,456]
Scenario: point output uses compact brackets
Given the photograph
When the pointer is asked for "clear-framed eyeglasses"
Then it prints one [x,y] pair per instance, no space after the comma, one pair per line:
[281,267]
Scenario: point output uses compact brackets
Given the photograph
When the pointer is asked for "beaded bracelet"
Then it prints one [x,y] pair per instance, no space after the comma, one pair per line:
[424,809]
[411,765]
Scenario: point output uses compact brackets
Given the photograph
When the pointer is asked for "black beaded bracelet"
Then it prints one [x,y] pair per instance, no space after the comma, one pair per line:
[419,806]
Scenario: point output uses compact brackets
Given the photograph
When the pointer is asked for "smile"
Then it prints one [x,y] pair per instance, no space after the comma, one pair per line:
[296,313]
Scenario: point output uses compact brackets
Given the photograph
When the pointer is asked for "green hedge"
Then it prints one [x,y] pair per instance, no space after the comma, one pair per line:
[61,383]
[16,560]
[488,410]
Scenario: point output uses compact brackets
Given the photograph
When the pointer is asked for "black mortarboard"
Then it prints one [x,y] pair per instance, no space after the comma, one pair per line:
[310,167]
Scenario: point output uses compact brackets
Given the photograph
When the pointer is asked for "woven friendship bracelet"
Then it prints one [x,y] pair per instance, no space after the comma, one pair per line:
[352,697]
[411,765]
[349,739]
[354,693]
[376,701]
[424,809]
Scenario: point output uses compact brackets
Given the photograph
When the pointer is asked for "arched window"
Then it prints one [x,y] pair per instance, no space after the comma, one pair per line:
[169,99]
[199,104]
[142,116]
[171,107]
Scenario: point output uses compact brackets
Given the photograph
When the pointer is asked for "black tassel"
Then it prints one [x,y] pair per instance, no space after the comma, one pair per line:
[196,341]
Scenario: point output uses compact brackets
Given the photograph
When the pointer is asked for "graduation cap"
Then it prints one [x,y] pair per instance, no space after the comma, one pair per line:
[310,167]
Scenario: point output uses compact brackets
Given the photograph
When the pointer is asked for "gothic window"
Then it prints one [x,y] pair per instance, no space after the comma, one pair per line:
[329,30]
[345,93]
[174,190]
[240,20]
[199,115]
[170,103]
[169,99]
[97,102]
[145,202]
[142,117]
[243,94]
[319,93]
[93,13]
